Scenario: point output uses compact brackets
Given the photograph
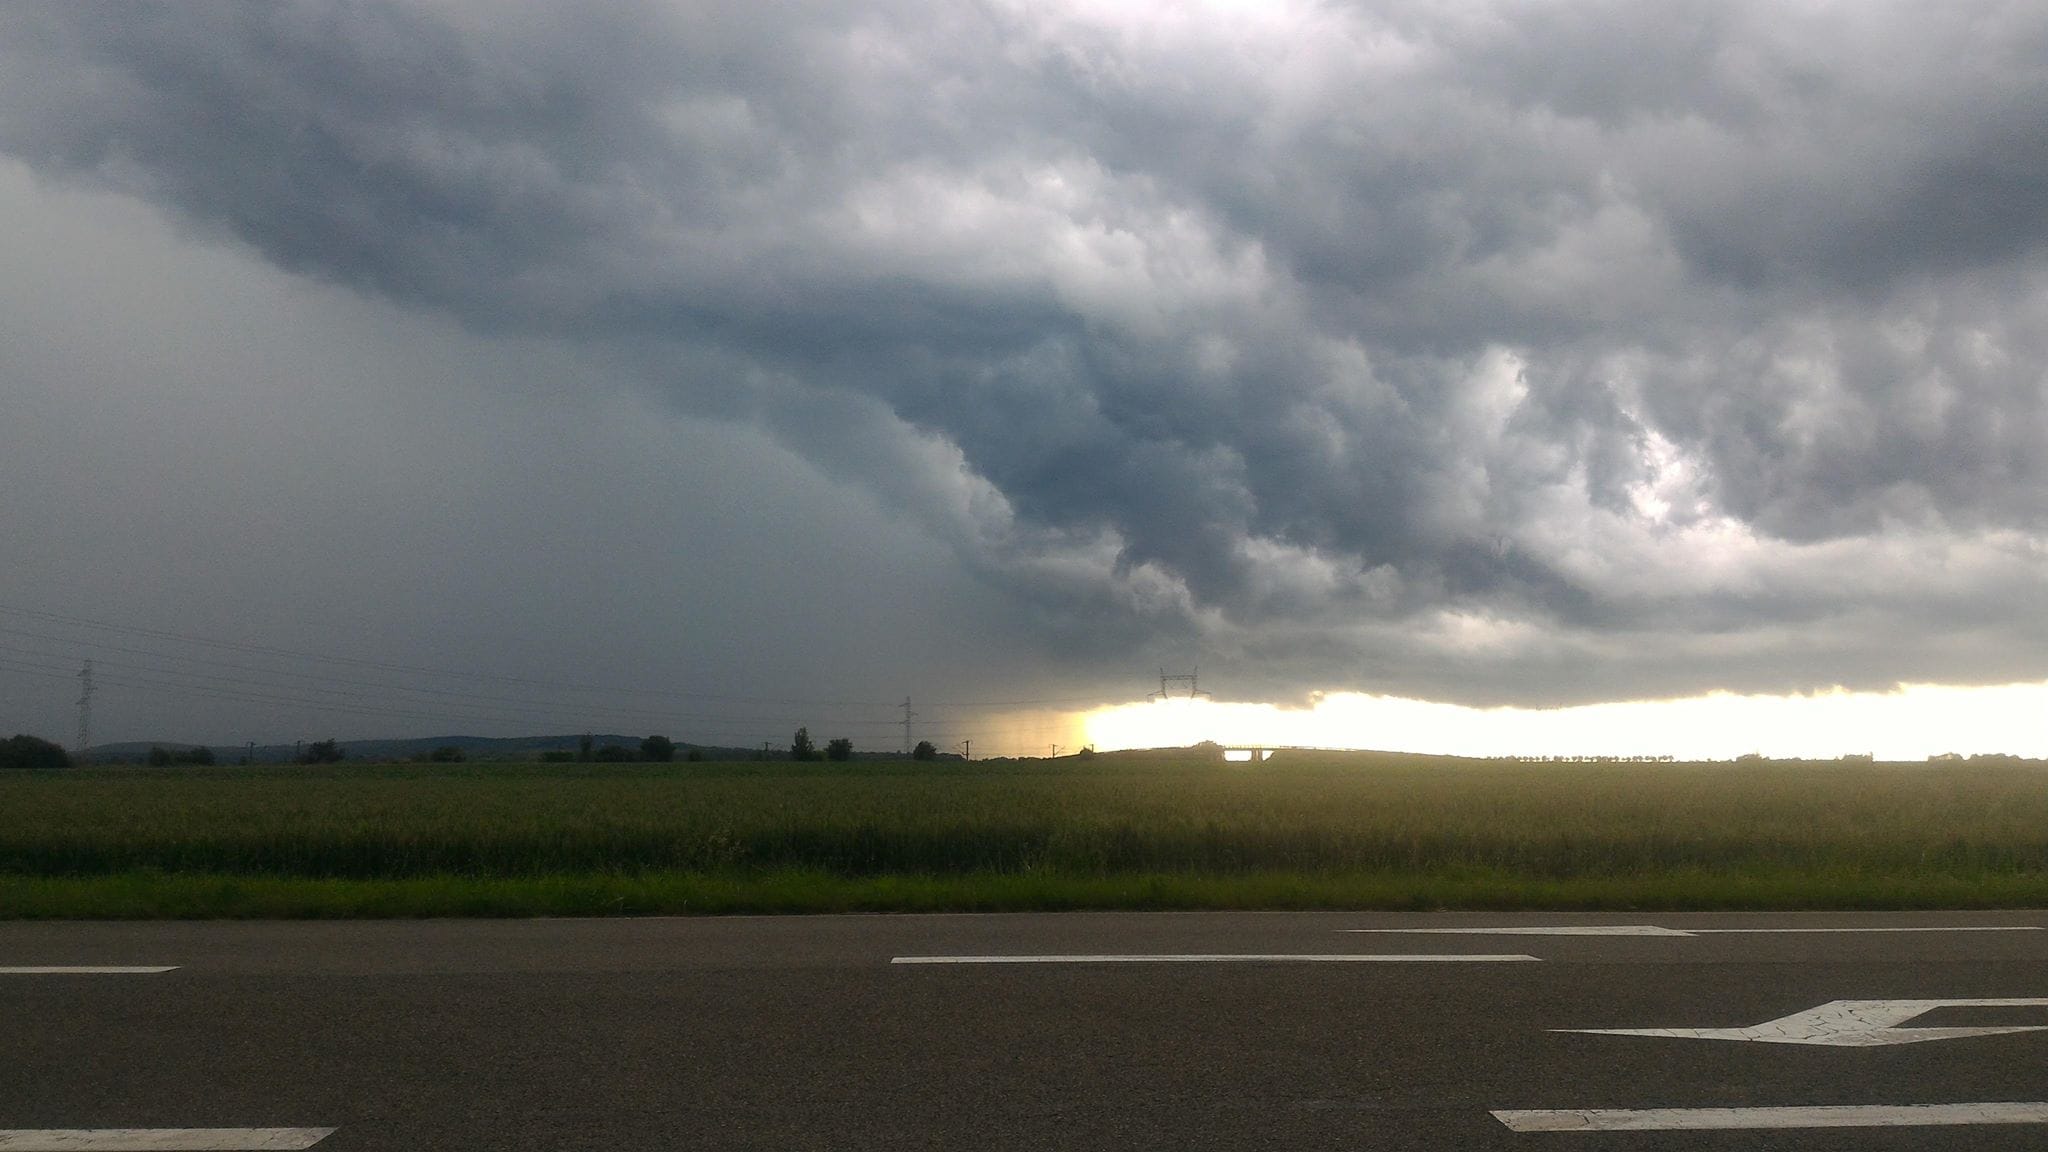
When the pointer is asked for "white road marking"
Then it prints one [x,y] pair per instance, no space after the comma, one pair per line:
[1847,1116]
[1790,931]
[1341,958]
[1542,930]
[1654,930]
[159,1139]
[1846,1024]
[80,970]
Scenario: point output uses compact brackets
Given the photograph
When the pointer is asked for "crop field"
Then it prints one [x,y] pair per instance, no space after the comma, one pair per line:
[1303,830]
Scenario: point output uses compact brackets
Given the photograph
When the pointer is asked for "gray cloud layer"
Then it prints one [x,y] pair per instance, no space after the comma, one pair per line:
[1491,351]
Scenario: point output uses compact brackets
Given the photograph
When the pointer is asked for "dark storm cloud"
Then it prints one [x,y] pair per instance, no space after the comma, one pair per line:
[1501,351]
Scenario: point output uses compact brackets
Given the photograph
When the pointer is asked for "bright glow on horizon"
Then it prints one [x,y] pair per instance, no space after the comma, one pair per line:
[1913,723]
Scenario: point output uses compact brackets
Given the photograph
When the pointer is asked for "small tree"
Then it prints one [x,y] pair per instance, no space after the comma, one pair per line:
[583,746]
[159,756]
[198,754]
[614,754]
[447,754]
[659,749]
[924,751]
[20,751]
[694,755]
[322,752]
[800,746]
[839,748]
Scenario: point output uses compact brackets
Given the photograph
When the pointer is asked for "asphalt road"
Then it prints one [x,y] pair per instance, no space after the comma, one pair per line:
[800,1033]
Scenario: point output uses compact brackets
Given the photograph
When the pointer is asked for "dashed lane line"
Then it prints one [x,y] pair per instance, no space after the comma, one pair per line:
[159,1139]
[1536,930]
[1201,958]
[1655,930]
[1795,931]
[82,970]
[1840,1116]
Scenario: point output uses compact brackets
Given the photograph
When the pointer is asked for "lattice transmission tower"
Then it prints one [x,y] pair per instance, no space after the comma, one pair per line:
[84,709]
[1188,686]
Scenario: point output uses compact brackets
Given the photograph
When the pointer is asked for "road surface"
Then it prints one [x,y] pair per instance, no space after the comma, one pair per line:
[1083,1031]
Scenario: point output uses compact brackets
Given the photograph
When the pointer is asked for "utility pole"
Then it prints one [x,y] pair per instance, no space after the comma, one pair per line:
[967,749]
[907,714]
[1055,751]
[85,710]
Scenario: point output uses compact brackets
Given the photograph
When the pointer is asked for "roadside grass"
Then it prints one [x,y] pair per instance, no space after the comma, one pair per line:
[1301,831]
[143,895]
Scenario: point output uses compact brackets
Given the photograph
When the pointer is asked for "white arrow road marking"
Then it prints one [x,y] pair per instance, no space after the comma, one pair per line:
[80,970]
[159,1139]
[1861,1116]
[1846,1024]
[1339,958]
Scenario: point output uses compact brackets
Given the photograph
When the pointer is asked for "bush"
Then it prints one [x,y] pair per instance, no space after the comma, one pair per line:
[447,754]
[614,754]
[160,757]
[694,755]
[659,749]
[558,756]
[839,748]
[925,750]
[21,751]
[322,752]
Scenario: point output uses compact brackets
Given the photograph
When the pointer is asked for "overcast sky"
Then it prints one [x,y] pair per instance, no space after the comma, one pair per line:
[785,360]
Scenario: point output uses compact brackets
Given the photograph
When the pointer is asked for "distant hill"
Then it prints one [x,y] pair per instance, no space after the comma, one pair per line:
[474,747]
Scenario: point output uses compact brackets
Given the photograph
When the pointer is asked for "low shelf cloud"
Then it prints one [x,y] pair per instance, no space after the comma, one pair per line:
[1484,353]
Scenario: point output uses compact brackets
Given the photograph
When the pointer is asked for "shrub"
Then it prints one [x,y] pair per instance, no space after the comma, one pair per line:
[614,754]
[447,754]
[925,750]
[558,756]
[20,751]
[322,752]
[659,749]
[839,748]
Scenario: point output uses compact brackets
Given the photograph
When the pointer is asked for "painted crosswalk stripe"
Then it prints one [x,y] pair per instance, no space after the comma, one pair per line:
[1852,1116]
[1201,958]
[159,1139]
[80,970]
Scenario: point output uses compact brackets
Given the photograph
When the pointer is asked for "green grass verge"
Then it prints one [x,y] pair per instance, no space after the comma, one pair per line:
[1321,830]
[148,895]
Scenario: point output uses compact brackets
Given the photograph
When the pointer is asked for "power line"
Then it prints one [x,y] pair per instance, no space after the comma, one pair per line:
[422,670]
